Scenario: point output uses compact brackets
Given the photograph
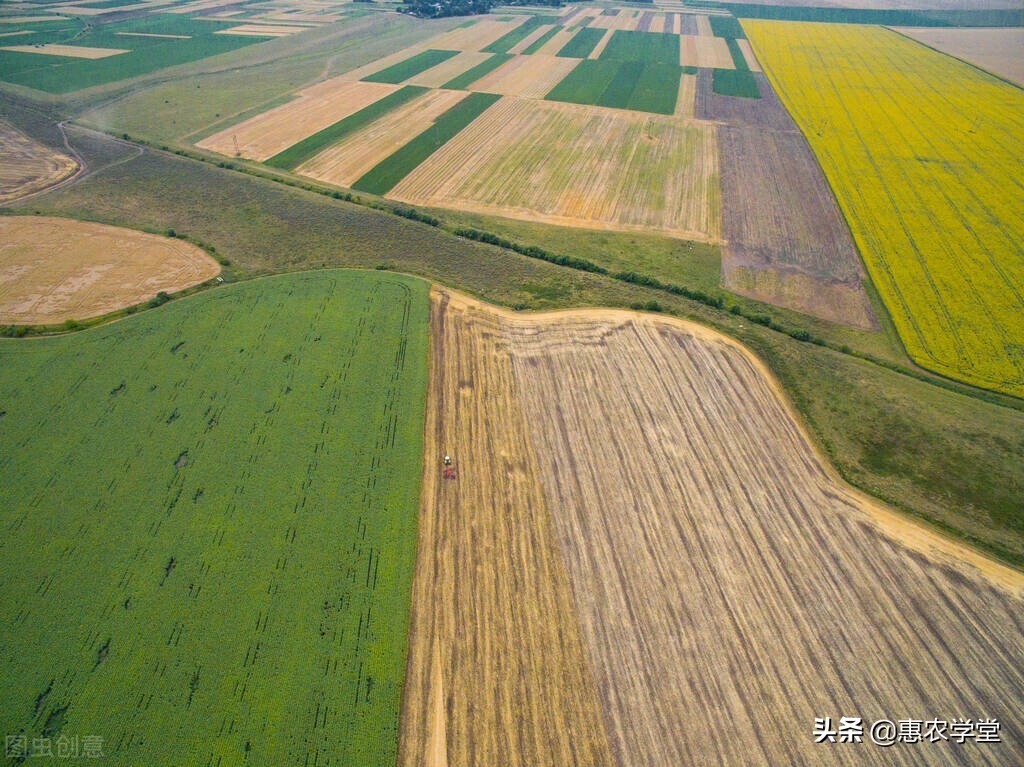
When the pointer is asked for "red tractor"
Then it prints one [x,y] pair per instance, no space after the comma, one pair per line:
[449,468]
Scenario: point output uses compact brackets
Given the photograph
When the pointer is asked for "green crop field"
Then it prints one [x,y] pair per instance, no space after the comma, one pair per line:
[735,82]
[582,44]
[411,67]
[473,74]
[506,41]
[537,44]
[60,74]
[649,47]
[309,147]
[210,519]
[647,87]
[383,176]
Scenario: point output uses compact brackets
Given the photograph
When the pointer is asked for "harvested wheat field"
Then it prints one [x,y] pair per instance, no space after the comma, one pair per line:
[577,166]
[1000,51]
[315,108]
[687,96]
[26,166]
[346,161]
[724,589]
[526,76]
[497,674]
[71,51]
[710,52]
[475,37]
[262,30]
[56,269]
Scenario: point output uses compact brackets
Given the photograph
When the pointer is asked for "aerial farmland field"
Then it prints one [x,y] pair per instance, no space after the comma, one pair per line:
[924,170]
[387,387]
[210,516]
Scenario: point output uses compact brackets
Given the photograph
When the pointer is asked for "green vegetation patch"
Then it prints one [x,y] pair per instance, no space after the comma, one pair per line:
[726,26]
[582,44]
[309,147]
[506,41]
[537,44]
[649,47]
[473,74]
[62,74]
[221,499]
[411,67]
[738,59]
[735,82]
[647,87]
[383,176]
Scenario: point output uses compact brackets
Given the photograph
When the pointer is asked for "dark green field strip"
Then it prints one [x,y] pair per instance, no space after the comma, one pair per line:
[649,47]
[220,491]
[411,67]
[109,4]
[734,82]
[473,74]
[737,55]
[726,26]
[309,147]
[382,177]
[582,44]
[650,87]
[506,41]
[902,17]
[537,44]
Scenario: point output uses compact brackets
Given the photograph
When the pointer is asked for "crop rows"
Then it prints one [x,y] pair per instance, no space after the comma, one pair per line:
[922,152]
[411,67]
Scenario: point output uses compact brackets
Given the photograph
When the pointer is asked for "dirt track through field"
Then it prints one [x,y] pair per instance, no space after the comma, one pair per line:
[727,588]
[56,269]
[26,166]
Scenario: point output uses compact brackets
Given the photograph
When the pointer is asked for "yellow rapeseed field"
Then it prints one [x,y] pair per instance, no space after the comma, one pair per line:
[924,154]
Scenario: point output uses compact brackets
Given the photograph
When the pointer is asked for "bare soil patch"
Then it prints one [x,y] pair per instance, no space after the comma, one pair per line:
[1000,51]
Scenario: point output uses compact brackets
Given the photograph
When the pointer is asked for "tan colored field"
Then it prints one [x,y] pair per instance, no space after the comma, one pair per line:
[56,269]
[27,19]
[345,162]
[384,62]
[71,51]
[1000,51]
[577,166]
[726,589]
[263,30]
[475,37]
[687,96]
[625,20]
[496,665]
[317,107]
[526,76]
[711,52]
[704,26]
[153,34]
[26,166]
[19,32]
[748,54]
[437,76]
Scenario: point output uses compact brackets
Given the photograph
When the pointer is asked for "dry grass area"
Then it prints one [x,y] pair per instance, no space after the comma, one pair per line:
[345,162]
[687,96]
[71,51]
[577,166]
[26,166]
[437,76]
[315,108]
[497,673]
[720,576]
[526,76]
[56,269]
[1000,51]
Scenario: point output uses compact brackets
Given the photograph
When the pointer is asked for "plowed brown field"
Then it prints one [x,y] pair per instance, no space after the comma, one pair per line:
[724,588]
[56,269]
[26,166]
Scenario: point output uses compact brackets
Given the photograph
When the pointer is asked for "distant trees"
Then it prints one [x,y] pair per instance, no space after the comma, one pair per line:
[435,9]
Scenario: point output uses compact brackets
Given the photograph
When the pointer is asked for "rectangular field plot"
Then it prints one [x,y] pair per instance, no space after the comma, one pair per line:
[583,43]
[577,166]
[642,46]
[705,52]
[526,76]
[923,152]
[222,501]
[316,108]
[651,87]
[403,70]
[450,69]
[70,51]
[475,37]
[354,155]
[1000,51]
[520,32]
